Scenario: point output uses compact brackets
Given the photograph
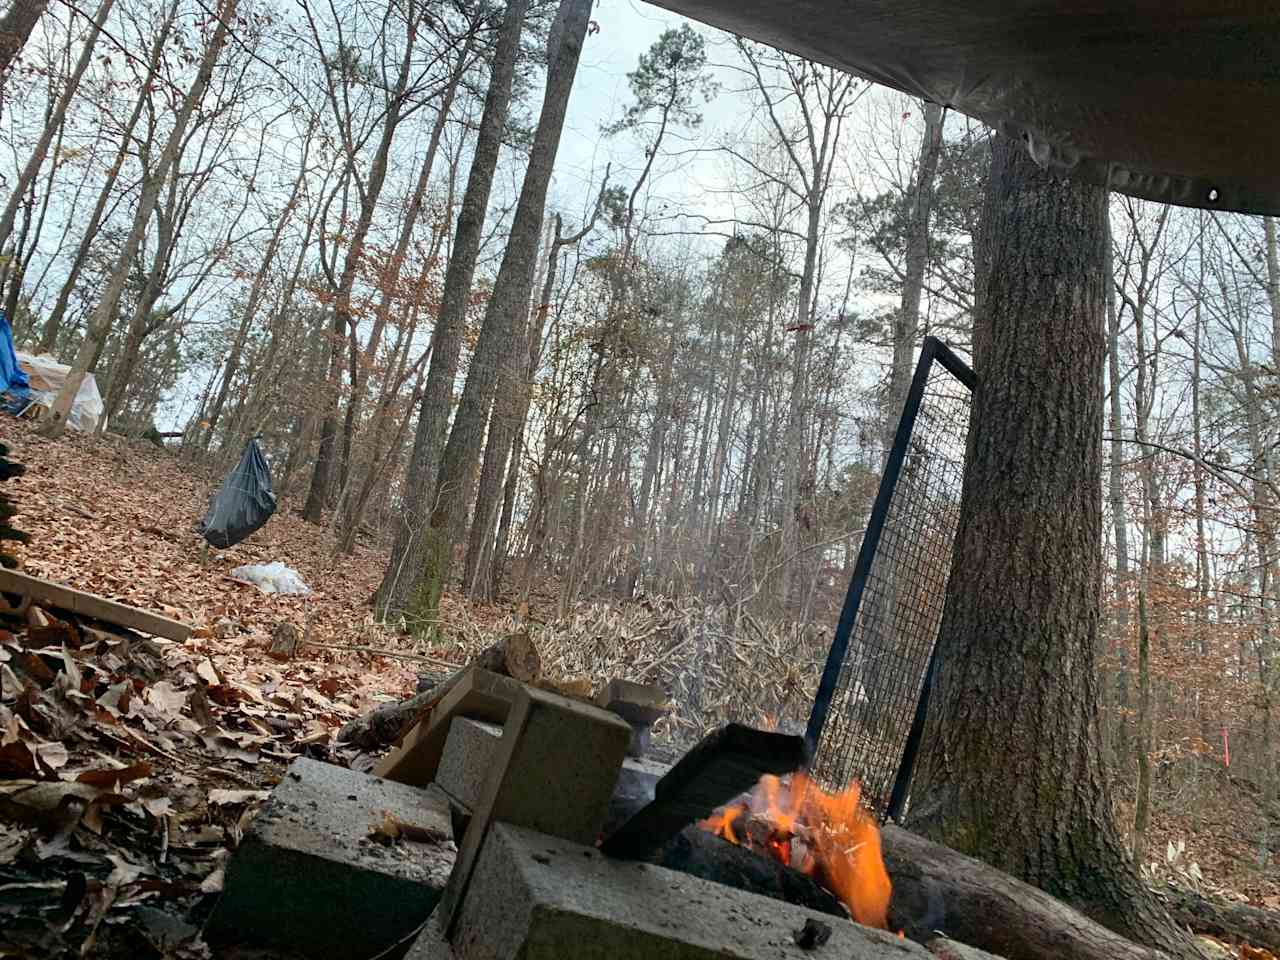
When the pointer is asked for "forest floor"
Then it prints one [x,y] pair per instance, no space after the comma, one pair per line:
[128,770]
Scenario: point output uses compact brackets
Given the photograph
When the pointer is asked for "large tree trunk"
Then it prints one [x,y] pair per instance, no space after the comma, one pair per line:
[906,322]
[1013,770]
[15,27]
[490,367]
[409,554]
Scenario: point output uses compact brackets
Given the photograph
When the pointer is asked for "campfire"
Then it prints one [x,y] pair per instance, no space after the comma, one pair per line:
[830,837]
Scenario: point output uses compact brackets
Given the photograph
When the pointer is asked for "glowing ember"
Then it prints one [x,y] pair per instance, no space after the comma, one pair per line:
[830,837]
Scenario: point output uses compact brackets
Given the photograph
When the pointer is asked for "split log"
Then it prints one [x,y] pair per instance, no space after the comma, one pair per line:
[1236,922]
[938,891]
[724,765]
[284,641]
[704,855]
[513,656]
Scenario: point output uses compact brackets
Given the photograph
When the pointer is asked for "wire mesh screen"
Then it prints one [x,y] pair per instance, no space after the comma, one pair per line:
[870,694]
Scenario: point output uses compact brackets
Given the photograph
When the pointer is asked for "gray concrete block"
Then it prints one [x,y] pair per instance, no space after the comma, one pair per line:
[469,754]
[472,749]
[534,897]
[431,944]
[555,770]
[309,877]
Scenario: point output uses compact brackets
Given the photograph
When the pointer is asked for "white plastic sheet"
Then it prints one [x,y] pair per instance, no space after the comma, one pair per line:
[47,376]
[274,577]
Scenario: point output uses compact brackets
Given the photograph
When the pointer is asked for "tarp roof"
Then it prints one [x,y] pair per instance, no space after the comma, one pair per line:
[1172,100]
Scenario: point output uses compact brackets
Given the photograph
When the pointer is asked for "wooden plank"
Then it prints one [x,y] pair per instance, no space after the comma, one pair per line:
[51,594]
[478,694]
[724,765]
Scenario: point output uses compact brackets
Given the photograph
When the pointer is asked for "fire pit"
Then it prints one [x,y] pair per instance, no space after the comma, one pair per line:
[733,854]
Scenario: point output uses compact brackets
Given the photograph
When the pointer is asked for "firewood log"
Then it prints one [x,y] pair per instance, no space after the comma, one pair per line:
[515,655]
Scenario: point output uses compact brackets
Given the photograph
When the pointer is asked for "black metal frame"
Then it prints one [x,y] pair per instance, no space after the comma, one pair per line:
[933,351]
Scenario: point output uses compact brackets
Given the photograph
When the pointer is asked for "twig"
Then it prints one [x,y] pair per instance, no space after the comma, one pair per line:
[379,651]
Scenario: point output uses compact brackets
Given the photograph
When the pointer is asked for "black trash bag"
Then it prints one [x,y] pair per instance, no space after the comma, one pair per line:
[243,503]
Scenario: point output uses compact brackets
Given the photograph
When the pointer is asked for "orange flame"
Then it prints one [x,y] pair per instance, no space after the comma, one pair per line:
[831,837]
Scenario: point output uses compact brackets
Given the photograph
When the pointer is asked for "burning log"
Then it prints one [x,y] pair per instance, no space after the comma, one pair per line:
[701,854]
[724,765]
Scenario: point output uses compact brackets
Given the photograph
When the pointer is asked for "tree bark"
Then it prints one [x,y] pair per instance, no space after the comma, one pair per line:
[409,554]
[1013,769]
[15,27]
[493,369]
[906,322]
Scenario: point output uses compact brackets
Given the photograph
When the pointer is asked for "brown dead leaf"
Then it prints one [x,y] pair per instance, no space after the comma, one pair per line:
[199,704]
[220,798]
[53,756]
[385,830]
[390,829]
[55,804]
[329,686]
[116,699]
[56,633]
[34,667]
[18,761]
[118,776]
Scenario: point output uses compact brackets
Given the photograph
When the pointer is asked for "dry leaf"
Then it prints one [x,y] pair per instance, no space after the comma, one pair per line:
[112,777]
[229,797]
[165,697]
[52,755]
[207,672]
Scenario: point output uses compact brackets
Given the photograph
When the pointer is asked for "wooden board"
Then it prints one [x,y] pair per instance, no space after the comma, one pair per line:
[724,765]
[50,594]
[477,694]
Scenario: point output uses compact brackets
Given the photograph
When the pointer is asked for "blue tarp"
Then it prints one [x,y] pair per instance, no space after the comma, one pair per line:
[15,389]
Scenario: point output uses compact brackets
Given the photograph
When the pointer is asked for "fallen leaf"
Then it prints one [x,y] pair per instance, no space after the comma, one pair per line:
[52,755]
[112,777]
[166,698]
[207,672]
[18,760]
[224,747]
[228,797]
[213,882]
[116,699]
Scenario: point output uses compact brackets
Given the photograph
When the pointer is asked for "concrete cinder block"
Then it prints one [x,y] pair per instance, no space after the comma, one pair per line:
[469,754]
[554,772]
[534,897]
[471,751]
[430,944]
[309,877]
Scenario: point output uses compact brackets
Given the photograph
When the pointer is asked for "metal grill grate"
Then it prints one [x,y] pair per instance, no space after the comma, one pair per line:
[867,716]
